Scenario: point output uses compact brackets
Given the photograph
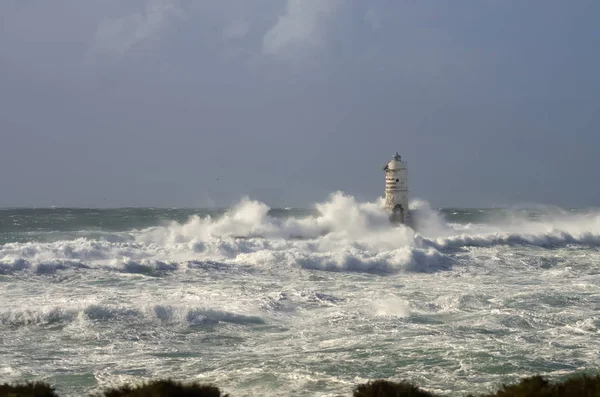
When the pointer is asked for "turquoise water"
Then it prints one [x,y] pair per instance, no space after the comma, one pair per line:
[302,302]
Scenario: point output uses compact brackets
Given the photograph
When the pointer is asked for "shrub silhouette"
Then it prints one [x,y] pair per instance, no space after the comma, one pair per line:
[165,388]
[29,389]
[384,388]
[536,386]
[588,386]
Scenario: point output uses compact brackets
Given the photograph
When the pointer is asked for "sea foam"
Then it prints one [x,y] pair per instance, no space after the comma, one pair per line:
[344,235]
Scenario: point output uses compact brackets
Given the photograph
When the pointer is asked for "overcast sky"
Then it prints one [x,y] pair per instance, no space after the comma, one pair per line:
[201,102]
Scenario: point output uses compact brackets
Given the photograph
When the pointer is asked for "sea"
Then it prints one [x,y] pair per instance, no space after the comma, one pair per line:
[298,302]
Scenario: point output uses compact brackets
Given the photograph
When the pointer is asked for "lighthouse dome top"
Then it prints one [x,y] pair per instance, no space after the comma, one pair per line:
[395,163]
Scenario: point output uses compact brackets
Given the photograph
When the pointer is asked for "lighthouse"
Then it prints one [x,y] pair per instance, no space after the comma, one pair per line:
[396,189]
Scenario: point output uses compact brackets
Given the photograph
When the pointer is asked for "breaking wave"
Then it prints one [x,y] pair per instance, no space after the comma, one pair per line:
[344,235]
[163,314]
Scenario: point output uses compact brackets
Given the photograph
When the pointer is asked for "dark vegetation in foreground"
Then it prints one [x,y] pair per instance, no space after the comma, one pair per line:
[536,386]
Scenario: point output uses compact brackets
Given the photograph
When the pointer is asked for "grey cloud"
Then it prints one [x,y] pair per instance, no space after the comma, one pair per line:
[236,29]
[300,26]
[490,102]
[115,36]
[372,19]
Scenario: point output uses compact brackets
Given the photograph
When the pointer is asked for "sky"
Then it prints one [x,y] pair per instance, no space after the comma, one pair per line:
[186,103]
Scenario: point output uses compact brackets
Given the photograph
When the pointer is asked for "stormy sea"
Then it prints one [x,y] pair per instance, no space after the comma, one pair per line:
[303,302]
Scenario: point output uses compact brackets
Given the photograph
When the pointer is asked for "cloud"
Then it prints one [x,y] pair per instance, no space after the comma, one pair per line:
[118,35]
[236,30]
[300,26]
[372,19]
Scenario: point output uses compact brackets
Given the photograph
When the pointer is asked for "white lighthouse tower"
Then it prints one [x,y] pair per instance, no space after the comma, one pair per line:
[396,189]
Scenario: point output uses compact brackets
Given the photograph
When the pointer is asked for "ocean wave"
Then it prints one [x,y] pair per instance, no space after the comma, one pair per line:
[49,267]
[81,249]
[551,239]
[44,316]
[406,258]
[344,235]
[100,313]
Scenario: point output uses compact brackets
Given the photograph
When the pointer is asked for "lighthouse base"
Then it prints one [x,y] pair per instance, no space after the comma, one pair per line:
[399,215]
